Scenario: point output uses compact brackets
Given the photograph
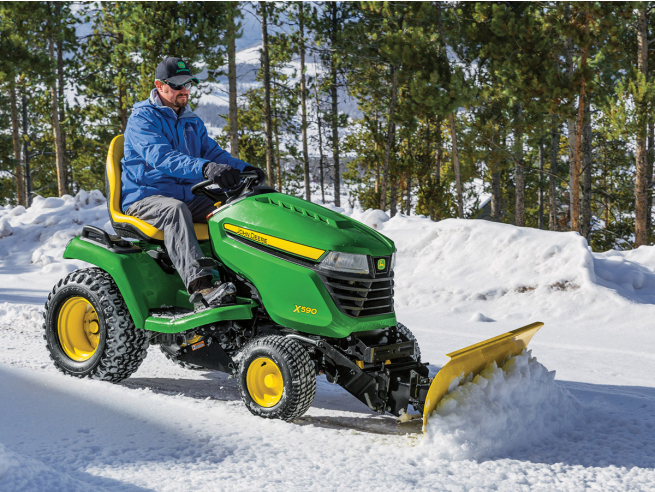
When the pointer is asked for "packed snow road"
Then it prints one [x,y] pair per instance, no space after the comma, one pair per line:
[520,427]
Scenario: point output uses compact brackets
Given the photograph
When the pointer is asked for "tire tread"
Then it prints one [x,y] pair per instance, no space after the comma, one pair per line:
[125,346]
[303,376]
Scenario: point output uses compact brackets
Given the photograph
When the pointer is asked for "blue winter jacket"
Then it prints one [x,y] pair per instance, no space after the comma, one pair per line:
[165,153]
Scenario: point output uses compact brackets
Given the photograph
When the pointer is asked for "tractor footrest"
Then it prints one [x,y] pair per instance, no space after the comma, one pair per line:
[383,353]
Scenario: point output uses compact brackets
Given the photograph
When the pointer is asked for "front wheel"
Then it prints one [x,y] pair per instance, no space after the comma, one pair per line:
[405,332]
[277,378]
[88,329]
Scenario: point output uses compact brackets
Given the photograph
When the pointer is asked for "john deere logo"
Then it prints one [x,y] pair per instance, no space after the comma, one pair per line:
[381,264]
[180,64]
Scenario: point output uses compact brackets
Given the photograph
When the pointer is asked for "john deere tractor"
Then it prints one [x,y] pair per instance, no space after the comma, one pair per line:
[314,296]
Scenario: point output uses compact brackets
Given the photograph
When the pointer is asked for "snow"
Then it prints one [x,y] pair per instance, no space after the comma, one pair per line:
[500,410]
[582,416]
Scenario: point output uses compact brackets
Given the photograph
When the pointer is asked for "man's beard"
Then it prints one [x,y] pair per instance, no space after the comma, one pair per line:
[181,102]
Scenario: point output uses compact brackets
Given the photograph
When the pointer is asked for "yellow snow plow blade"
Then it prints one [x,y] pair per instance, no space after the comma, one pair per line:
[474,359]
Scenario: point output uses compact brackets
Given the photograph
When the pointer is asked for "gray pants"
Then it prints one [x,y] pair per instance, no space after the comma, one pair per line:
[176,219]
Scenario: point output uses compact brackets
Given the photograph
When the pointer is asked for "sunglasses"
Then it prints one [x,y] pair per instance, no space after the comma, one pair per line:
[176,87]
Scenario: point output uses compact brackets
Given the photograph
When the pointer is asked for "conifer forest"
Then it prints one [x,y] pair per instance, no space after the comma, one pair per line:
[537,114]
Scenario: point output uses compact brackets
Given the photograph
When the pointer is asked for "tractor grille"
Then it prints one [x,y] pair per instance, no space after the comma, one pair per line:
[360,296]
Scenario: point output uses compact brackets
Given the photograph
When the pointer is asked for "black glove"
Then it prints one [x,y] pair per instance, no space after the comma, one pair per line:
[260,173]
[221,174]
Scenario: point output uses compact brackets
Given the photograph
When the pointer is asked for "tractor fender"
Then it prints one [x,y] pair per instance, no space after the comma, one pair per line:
[140,280]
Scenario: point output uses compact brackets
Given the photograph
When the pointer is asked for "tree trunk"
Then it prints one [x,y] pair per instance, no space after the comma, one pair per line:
[62,106]
[641,180]
[303,98]
[649,175]
[606,201]
[575,165]
[435,197]
[335,108]
[554,169]
[458,179]
[122,107]
[56,130]
[519,212]
[393,197]
[277,145]
[496,196]
[389,140]
[268,127]
[26,152]
[121,94]
[540,196]
[577,161]
[570,123]
[376,150]
[585,223]
[15,137]
[438,155]
[408,204]
[320,142]
[233,111]
[393,194]
[451,119]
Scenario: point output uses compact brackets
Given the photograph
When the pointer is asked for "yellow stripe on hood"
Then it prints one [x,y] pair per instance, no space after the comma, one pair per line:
[276,242]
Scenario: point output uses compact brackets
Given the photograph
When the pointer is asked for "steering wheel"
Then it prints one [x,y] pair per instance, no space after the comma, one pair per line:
[225,196]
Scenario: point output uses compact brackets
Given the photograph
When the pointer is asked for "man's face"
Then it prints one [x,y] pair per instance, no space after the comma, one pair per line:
[172,98]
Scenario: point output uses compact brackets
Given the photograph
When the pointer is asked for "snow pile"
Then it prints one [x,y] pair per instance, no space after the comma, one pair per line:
[373,218]
[455,262]
[5,228]
[22,473]
[630,273]
[500,410]
[37,236]
[17,314]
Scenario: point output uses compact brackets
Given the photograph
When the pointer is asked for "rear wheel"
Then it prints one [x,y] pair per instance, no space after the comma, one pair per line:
[88,329]
[277,378]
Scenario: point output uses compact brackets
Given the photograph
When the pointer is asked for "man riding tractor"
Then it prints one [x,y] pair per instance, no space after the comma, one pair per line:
[167,151]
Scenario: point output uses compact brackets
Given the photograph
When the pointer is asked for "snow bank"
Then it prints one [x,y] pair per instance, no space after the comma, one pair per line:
[500,410]
[20,314]
[36,237]
[22,473]
[456,261]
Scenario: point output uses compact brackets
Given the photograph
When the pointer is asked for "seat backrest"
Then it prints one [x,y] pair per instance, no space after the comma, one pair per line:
[114,157]
[127,225]
[124,225]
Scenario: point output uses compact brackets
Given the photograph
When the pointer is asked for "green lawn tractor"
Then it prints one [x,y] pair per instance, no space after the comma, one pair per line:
[314,296]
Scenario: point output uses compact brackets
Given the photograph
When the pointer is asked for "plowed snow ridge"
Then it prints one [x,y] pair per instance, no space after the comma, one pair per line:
[502,410]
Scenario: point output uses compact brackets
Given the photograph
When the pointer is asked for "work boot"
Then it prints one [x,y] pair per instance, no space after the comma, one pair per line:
[214,295]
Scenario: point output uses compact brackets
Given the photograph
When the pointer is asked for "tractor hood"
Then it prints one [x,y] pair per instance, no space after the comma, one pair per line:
[300,227]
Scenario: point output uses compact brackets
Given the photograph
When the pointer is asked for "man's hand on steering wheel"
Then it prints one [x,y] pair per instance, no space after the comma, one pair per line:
[225,176]
[260,173]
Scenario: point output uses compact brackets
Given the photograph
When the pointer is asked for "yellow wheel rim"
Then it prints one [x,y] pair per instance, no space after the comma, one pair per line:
[78,328]
[265,383]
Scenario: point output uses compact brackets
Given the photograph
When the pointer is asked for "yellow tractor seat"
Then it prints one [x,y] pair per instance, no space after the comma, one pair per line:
[127,225]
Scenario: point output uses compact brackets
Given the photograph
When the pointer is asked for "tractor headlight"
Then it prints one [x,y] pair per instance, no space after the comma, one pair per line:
[345,262]
[393,262]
